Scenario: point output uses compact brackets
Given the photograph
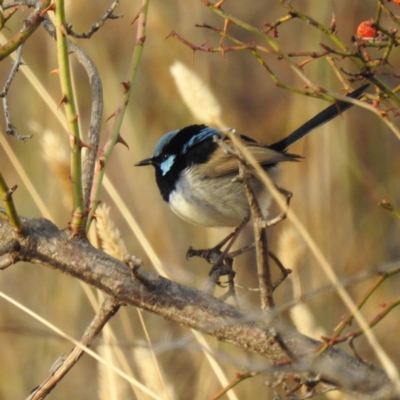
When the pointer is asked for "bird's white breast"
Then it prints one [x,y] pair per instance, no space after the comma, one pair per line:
[215,202]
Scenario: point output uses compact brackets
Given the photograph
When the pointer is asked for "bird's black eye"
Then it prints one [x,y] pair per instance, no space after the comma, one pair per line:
[164,156]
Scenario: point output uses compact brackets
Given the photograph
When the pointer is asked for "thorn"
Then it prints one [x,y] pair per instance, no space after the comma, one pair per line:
[51,7]
[100,164]
[75,118]
[10,191]
[27,23]
[318,89]
[222,51]
[125,86]
[63,100]
[227,22]
[54,71]
[384,115]
[333,23]
[121,140]
[111,116]
[325,339]
[83,144]
[219,4]
[63,30]
[135,19]
[302,64]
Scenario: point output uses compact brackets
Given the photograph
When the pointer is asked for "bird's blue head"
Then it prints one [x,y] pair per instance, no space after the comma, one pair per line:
[178,150]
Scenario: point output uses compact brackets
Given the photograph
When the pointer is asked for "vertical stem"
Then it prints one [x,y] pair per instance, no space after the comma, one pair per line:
[260,231]
[72,117]
[9,207]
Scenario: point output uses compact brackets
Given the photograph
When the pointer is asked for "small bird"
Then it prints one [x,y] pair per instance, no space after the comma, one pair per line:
[195,175]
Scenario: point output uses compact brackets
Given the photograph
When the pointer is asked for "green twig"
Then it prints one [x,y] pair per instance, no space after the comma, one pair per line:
[347,320]
[394,18]
[5,16]
[120,109]
[387,307]
[71,116]
[30,26]
[357,58]
[9,207]
[231,385]
[378,12]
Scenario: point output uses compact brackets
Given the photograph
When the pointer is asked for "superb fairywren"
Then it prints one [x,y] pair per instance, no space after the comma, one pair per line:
[195,174]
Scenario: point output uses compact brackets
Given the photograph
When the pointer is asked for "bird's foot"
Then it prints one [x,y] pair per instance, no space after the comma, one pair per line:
[221,261]
[214,280]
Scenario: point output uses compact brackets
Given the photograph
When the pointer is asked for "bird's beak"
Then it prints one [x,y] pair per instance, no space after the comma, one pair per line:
[147,161]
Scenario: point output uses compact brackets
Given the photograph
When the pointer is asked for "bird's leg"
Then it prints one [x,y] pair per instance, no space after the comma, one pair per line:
[231,292]
[215,273]
[221,260]
[214,255]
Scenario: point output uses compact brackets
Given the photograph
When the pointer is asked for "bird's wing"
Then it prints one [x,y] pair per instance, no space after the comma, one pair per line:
[223,163]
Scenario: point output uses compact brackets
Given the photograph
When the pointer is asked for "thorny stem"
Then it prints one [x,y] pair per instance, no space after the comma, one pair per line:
[387,307]
[30,26]
[71,116]
[109,14]
[4,17]
[359,63]
[394,18]
[271,42]
[350,316]
[120,110]
[96,113]
[357,59]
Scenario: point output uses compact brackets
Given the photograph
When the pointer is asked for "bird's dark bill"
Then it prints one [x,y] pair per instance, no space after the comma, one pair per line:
[147,161]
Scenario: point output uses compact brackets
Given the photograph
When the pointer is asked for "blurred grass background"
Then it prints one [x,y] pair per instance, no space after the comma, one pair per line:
[349,166]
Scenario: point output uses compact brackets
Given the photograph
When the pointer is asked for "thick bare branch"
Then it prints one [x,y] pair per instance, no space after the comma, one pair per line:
[44,244]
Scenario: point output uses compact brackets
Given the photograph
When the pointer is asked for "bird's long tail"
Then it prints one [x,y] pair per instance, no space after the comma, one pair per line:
[323,117]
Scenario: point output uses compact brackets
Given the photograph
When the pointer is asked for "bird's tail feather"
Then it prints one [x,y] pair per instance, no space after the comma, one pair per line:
[323,117]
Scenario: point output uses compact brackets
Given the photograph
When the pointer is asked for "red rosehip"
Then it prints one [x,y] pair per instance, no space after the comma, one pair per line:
[366,29]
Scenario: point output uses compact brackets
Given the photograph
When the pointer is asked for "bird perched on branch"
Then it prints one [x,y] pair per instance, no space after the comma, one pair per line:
[196,175]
